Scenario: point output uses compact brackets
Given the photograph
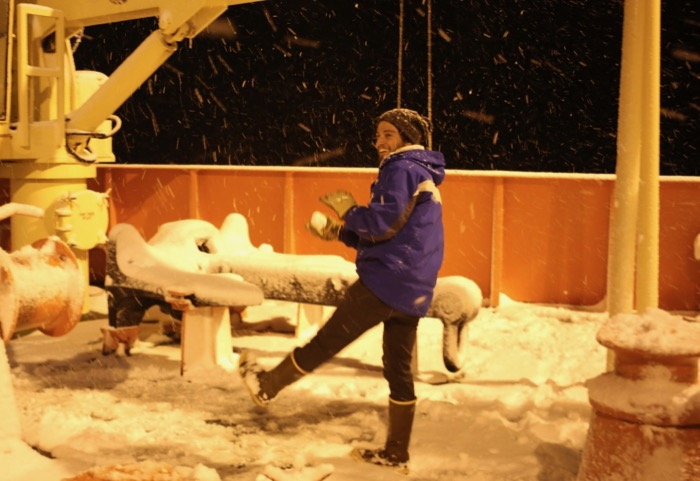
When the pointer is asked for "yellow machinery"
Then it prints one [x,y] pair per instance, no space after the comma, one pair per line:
[56,123]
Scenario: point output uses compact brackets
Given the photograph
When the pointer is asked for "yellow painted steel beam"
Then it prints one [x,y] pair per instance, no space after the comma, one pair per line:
[634,231]
[648,219]
[623,228]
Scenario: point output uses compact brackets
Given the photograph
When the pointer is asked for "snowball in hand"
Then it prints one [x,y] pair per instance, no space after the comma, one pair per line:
[318,220]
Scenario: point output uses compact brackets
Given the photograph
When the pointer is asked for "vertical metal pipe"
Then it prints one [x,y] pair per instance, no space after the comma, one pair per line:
[623,226]
[648,238]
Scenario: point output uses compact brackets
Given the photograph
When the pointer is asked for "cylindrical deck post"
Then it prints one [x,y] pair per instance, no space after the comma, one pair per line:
[646,413]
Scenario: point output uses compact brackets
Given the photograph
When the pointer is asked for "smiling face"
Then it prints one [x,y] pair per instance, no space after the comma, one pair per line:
[387,139]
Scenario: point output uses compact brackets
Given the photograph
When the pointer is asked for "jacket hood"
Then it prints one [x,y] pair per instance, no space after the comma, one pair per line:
[431,160]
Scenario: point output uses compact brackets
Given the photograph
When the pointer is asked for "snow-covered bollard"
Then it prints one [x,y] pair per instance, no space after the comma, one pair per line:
[645,424]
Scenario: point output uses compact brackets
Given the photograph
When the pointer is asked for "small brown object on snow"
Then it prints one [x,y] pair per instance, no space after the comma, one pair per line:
[114,337]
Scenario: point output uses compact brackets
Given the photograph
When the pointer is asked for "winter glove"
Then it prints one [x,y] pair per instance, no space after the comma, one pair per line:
[324,227]
[340,201]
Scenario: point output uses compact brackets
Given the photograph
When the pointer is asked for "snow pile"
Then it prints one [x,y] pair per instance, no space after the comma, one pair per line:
[233,238]
[179,244]
[161,268]
[222,267]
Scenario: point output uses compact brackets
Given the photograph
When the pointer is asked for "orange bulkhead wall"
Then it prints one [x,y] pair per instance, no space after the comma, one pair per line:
[554,227]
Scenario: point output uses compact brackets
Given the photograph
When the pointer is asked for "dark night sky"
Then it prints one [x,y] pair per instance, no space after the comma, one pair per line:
[526,85]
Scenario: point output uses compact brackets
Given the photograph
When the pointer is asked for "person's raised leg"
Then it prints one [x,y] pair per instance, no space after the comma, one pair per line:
[359,311]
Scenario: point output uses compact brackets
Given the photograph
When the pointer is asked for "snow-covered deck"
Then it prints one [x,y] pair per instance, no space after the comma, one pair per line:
[519,417]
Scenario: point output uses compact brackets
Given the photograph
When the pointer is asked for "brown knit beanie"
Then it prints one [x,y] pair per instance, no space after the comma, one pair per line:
[412,126]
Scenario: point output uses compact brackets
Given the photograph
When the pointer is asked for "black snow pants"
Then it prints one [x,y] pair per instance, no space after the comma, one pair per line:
[358,312]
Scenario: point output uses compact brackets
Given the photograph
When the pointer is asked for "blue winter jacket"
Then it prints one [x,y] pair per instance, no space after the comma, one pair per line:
[399,236]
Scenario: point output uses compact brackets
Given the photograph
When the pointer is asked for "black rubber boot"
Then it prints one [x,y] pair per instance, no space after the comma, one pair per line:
[263,385]
[395,452]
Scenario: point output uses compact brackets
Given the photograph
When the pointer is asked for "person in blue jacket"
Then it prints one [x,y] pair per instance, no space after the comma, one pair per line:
[400,245]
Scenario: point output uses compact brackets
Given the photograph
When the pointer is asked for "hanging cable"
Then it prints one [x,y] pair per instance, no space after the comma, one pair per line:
[429,43]
[400,55]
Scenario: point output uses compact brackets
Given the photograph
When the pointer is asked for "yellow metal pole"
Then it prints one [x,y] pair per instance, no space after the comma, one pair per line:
[648,239]
[623,227]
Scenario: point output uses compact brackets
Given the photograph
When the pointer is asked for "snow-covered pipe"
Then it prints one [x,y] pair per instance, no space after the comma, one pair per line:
[14,208]
[41,287]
